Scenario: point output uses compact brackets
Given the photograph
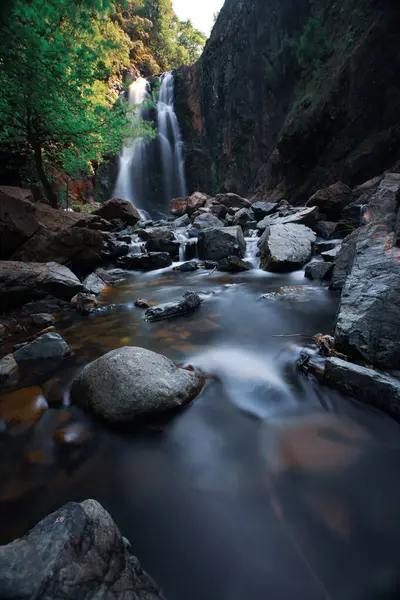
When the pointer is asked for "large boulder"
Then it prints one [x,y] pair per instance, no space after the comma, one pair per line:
[368,321]
[263,209]
[344,261]
[118,209]
[146,262]
[189,303]
[232,201]
[366,385]
[285,248]
[133,382]
[50,346]
[206,221]
[21,282]
[215,244]
[17,219]
[81,249]
[76,553]
[332,200]
[189,205]
[303,216]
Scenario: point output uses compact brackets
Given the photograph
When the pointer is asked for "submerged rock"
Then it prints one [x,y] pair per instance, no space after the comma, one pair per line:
[140,303]
[233,264]
[76,553]
[146,262]
[187,267]
[189,302]
[215,244]
[118,209]
[47,346]
[285,248]
[132,382]
[367,385]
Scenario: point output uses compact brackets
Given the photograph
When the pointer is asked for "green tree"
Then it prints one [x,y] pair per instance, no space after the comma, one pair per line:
[192,40]
[58,104]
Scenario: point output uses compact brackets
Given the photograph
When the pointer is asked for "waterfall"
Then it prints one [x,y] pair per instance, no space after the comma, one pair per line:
[169,136]
[132,160]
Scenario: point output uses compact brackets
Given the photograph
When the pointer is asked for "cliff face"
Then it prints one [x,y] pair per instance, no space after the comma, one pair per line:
[290,95]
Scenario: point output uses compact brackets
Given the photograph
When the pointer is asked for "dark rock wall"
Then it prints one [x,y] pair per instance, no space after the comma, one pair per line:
[290,95]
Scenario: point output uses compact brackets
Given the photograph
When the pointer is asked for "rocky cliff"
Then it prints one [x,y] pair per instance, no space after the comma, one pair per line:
[290,95]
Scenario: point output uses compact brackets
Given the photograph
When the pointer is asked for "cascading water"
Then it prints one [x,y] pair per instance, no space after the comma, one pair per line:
[170,141]
[132,161]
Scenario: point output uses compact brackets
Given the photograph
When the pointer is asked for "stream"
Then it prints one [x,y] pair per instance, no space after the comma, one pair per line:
[267,486]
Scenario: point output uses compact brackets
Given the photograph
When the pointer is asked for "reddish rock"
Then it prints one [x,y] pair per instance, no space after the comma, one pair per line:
[332,200]
[189,205]
[118,209]
[17,219]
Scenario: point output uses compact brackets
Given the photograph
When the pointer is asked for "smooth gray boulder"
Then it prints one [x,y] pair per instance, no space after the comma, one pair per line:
[285,248]
[189,303]
[21,282]
[368,322]
[367,385]
[76,553]
[47,346]
[215,244]
[131,382]
[146,262]
[318,270]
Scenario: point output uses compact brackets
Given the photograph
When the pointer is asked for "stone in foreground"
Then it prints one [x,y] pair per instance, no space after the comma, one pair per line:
[47,346]
[285,248]
[215,244]
[367,385]
[76,553]
[132,382]
[189,302]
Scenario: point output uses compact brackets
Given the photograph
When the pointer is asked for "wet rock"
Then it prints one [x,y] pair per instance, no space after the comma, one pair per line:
[249,227]
[325,246]
[76,553]
[94,284]
[146,262]
[210,264]
[21,282]
[189,303]
[332,200]
[140,303]
[368,319]
[243,216]
[42,319]
[325,229]
[183,221]
[47,346]
[26,405]
[207,221]
[366,385]
[344,261]
[233,264]
[7,366]
[84,303]
[18,221]
[111,277]
[171,246]
[232,201]
[187,267]
[166,233]
[330,255]
[126,239]
[82,250]
[132,382]
[285,248]
[118,248]
[318,270]
[291,294]
[263,209]
[47,305]
[118,209]
[216,244]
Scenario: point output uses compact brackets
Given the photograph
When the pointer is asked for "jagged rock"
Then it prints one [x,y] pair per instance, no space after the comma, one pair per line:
[42,319]
[232,201]
[344,261]
[118,209]
[285,248]
[325,229]
[189,302]
[189,205]
[183,221]
[206,221]
[82,250]
[7,366]
[21,282]
[263,209]
[47,346]
[330,255]
[94,284]
[366,385]
[332,200]
[17,219]
[233,264]
[215,244]
[218,210]
[368,319]
[118,249]
[76,553]
[243,216]
[84,303]
[318,270]
[325,246]
[187,267]
[304,216]
[146,262]
[132,382]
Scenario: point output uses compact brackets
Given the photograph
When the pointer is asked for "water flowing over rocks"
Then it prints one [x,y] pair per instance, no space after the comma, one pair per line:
[133,382]
[285,247]
[76,553]
[368,318]
[189,303]
[216,244]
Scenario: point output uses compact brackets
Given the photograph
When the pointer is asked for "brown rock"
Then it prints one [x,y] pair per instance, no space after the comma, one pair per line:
[189,205]
[332,200]
[23,406]
[17,219]
[118,209]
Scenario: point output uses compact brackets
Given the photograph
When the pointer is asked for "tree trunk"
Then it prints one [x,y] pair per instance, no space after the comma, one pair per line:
[48,189]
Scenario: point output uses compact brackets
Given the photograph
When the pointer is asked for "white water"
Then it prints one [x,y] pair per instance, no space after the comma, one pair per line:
[133,156]
[170,141]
